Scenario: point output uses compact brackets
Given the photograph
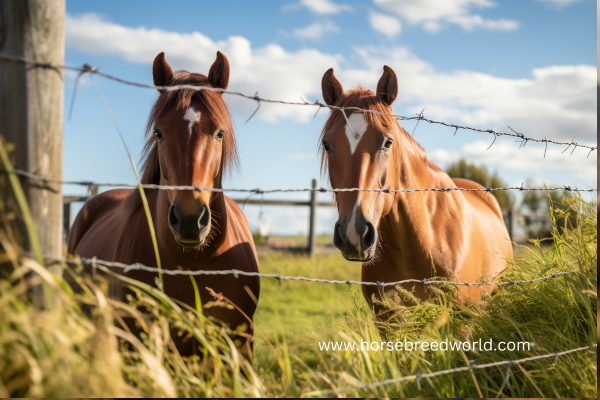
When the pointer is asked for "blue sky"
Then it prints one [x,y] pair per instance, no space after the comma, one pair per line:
[530,64]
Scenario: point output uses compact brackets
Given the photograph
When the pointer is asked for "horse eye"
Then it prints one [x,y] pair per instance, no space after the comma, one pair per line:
[220,135]
[387,145]
[326,146]
[159,135]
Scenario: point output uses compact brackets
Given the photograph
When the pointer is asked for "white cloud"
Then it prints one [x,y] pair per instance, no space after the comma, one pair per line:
[277,73]
[315,30]
[321,7]
[557,102]
[526,161]
[385,24]
[434,15]
[559,3]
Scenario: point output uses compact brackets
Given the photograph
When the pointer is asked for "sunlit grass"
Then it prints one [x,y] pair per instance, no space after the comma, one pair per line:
[60,351]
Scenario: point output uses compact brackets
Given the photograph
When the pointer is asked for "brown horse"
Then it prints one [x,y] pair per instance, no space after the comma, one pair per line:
[403,235]
[190,141]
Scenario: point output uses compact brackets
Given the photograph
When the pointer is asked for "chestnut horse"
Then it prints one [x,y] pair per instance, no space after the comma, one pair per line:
[189,141]
[403,235]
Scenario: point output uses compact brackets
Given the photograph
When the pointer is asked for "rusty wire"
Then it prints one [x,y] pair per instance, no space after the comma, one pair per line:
[419,117]
[95,263]
[30,175]
[419,375]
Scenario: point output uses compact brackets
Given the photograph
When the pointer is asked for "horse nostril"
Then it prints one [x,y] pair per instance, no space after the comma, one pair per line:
[174,216]
[337,237]
[369,235]
[204,219]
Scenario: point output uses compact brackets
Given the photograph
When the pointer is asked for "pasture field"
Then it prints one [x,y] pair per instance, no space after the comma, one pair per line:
[304,312]
[58,351]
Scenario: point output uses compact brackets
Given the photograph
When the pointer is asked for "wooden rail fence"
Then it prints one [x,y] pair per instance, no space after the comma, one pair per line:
[312,203]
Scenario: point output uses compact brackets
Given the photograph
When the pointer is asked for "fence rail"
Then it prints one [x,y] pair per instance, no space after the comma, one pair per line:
[508,215]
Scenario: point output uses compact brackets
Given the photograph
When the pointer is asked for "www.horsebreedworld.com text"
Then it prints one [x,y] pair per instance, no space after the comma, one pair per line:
[424,346]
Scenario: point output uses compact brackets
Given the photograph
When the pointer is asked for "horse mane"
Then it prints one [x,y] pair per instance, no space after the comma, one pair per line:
[181,99]
[367,100]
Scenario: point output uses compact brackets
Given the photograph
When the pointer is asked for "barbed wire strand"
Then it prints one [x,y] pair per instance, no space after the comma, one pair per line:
[419,117]
[95,262]
[33,176]
[473,365]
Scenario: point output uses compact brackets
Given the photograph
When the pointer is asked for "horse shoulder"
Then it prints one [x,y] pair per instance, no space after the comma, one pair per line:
[238,228]
[94,209]
[492,228]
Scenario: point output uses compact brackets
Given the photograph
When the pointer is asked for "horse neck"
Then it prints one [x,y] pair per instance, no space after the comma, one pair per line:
[413,217]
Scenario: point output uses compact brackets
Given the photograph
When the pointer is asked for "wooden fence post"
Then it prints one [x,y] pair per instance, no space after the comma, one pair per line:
[67,200]
[312,219]
[31,109]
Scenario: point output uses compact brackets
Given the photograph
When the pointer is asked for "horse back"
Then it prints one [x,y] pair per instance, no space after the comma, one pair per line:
[475,198]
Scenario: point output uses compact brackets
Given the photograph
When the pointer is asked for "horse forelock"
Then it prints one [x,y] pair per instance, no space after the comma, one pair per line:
[367,100]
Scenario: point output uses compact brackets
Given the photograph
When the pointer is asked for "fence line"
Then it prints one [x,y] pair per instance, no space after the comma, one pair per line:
[95,262]
[33,176]
[418,376]
[419,117]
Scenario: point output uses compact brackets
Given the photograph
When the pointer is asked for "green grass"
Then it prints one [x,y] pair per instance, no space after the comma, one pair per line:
[553,315]
[304,312]
[58,351]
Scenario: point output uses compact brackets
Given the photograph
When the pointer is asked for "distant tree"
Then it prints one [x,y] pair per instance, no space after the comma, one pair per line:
[534,200]
[539,201]
[464,169]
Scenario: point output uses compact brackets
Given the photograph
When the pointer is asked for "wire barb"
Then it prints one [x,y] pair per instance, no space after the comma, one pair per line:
[33,176]
[257,107]
[472,366]
[94,70]
[96,263]
[420,115]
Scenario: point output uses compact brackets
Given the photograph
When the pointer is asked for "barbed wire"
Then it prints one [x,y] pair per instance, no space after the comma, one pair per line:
[33,176]
[418,376]
[94,262]
[419,117]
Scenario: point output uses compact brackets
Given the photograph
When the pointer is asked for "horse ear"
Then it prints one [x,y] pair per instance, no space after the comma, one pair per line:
[219,72]
[332,88]
[387,88]
[161,71]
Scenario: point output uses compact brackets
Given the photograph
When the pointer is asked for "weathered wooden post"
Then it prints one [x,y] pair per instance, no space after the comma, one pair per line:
[31,109]
[67,200]
[312,219]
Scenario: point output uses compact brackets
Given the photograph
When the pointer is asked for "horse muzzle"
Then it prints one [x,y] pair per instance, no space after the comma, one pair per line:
[357,242]
[189,229]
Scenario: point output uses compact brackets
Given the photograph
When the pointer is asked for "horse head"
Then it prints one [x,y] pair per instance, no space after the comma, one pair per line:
[359,151]
[190,143]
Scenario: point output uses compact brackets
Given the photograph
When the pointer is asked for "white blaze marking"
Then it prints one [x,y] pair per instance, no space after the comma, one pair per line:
[193,117]
[355,129]
[351,233]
